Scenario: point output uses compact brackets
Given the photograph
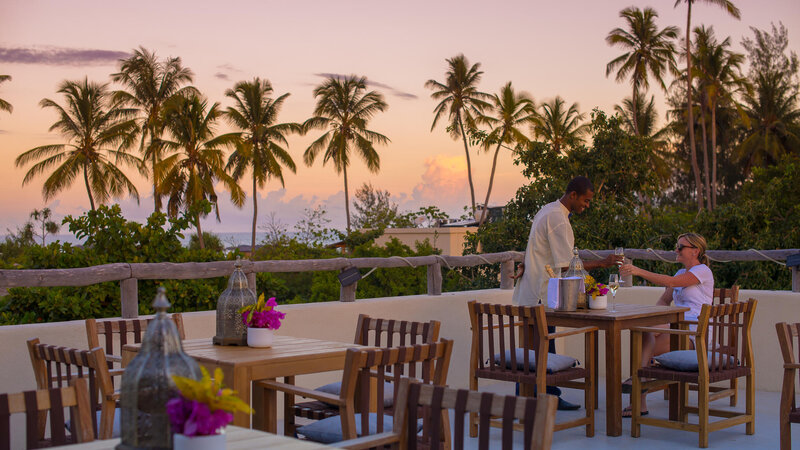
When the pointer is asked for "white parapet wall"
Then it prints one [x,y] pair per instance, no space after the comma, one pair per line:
[336,321]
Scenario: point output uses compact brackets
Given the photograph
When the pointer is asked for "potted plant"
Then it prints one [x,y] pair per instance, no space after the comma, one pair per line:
[597,291]
[201,411]
[261,319]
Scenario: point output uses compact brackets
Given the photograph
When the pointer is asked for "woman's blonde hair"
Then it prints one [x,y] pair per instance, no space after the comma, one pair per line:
[698,242]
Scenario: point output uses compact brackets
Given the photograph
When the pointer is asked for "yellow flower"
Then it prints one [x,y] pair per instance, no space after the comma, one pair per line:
[211,392]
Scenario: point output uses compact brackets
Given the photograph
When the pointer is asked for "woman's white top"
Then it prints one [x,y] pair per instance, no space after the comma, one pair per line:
[696,295]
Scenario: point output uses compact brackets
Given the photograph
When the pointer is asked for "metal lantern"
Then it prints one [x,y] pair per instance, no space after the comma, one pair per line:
[230,329]
[147,382]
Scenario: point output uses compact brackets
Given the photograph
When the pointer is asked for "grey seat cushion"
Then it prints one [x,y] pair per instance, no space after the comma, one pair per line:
[336,389]
[555,363]
[686,360]
[328,431]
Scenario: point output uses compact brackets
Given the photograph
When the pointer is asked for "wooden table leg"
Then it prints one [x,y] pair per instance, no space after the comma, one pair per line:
[613,380]
[240,380]
[288,410]
[596,371]
[265,404]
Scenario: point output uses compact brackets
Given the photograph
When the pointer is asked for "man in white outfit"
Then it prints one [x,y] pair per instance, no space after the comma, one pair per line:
[550,242]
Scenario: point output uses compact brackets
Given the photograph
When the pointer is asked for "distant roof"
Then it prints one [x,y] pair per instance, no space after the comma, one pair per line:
[461,223]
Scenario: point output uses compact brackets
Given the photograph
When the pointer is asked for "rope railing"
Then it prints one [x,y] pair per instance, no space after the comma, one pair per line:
[128,274]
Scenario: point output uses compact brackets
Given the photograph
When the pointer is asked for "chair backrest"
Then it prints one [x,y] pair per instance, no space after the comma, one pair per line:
[502,330]
[376,332]
[55,367]
[106,332]
[789,339]
[725,335]
[427,363]
[536,415]
[726,295]
[36,405]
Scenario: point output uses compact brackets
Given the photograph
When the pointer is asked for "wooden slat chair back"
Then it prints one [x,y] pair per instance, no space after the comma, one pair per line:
[503,333]
[427,363]
[55,367]
[37,404]
[113,334]
[724,351]
[789,339]
[373,332]
[536,415]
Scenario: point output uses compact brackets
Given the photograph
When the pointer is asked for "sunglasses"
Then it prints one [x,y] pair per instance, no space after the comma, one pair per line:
[680,247]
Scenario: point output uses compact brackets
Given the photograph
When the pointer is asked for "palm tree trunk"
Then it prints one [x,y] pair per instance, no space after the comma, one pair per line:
[713,155]
[255,218]
[706,167]
[469,164]
[690,120]
[635,117]
[199,232]
[346,200]
[156,196]
[88,189]
[485,212]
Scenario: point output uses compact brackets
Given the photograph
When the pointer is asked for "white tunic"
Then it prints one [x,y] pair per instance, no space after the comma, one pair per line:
[549,242]
[697,295]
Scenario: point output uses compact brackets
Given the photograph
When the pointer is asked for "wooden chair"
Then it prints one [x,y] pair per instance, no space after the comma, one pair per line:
[722,296]
[36,405]
[724,351]
[105,332]
[55,366]
[363,370]
[789,414]
[537,417]
[372,332]
[500,333]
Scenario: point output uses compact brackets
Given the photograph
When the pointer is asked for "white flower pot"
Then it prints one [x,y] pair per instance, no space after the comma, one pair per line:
[211,442]
[260,337]
[599,302]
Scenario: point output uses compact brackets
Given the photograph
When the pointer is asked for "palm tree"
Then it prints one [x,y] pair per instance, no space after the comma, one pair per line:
[344,109]
[719,71]
[96,131]
[4,105]
[649,51]
[188,176]
[646,121]
[734,11]
[558,125]
[460,98]
[150,83]
[774,121]
[511,110]
[258,146]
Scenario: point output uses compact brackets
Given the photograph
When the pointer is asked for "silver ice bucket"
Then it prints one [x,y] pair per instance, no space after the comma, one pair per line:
[568,291]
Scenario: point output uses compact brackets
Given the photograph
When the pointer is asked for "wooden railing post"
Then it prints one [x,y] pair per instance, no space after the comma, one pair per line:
[251,282]
[347,293]
[506,272]
[129,298]
[435,278]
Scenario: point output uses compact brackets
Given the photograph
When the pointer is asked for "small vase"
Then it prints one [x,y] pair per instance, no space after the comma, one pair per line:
[210,442]
[260,337]
[599,302]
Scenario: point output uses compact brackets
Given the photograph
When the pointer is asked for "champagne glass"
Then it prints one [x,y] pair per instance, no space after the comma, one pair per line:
[613,285]
[619,251]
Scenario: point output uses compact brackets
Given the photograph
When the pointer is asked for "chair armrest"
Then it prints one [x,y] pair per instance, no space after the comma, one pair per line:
[113,358]
[301,391]
[664,331]
[791,366]
[116,372]
[688,322]
[364,442]
[571,332]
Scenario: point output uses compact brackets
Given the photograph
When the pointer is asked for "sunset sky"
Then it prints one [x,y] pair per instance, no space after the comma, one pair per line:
[544,48]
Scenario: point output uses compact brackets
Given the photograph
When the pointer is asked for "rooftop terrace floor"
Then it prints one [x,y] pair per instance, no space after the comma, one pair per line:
[653,438]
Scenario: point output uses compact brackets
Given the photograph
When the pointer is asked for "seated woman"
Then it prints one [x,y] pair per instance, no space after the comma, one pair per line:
[692,287]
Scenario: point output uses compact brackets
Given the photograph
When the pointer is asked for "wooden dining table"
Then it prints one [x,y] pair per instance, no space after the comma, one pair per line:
[241,365]
[612,323]
[235,438]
